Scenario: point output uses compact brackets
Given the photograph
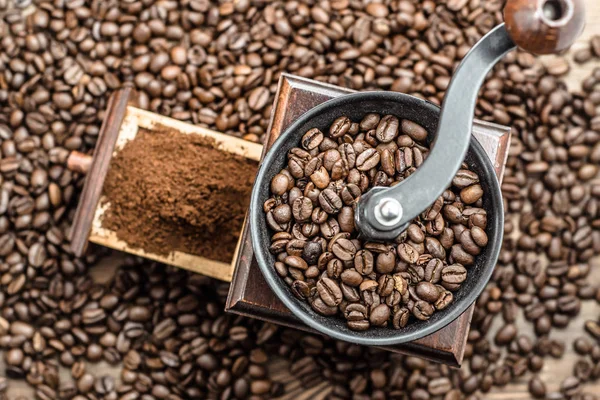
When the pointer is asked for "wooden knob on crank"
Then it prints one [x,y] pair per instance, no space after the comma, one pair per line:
[79,162]
[544,26]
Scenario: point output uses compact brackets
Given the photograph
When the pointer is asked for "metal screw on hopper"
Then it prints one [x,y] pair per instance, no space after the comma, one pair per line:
[537,26]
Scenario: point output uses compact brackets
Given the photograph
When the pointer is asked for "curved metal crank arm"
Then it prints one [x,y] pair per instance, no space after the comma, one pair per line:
[383,213]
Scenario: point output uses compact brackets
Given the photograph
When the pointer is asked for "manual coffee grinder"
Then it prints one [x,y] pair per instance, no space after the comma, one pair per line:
[382,214]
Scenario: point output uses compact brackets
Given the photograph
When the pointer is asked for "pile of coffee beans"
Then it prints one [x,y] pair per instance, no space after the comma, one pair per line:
[311,213]
[217,64]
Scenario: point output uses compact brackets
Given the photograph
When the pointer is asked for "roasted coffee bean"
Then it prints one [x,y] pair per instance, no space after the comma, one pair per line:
[330,202]
[311,252]
[355,312]
[387,129]
[296,169]
[282,214]
[369,121]
[340,127]
[360,325]
[324,258]
[400,318]
[350,293]
[432,211]
[471,194]
[568,304]
[279,184]
[479,236]
[319,216]
[570,386]
[343,249]
[403,159]
[444,300]
[453,214]
[368,285]
[295,247]
[468,243]
[300,289]
[377,247]
[379,315]
[407,253]
[302,209]
[593,328]
[459,255]
[367,159]
[312,139]
[386,262]
[329,292]
[386,289]
[351,278]
[427,291]
[330,158]
[339,170]
[400,284]
[387,162]
[465,178]
[104,385]
[330,228]
[435,248]
[348,156]
[414,130]
[311,192]
[320,177]
[506,334]
[296,262]
[319,306]
[453,274]
[346,219]
[582,346]
[433,270]
[415,233]
[439,386]
[278,246]
[364,262]
[281,269]
[422,310]
[312,166]
[350,193]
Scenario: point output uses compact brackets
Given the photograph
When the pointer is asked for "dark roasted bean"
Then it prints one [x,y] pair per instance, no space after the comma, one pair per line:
[329,292]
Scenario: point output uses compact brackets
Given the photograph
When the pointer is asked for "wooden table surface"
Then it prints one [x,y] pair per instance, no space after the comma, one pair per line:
[554,370]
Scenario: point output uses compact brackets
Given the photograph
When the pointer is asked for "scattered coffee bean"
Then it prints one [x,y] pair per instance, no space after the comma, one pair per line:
[216,65]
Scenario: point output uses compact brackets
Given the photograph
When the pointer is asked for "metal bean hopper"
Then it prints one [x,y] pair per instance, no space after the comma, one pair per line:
[537,26]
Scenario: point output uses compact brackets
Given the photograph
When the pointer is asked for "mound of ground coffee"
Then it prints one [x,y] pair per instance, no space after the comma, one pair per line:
[171,191]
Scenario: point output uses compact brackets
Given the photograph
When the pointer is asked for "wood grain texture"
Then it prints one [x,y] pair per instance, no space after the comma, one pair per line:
[92,189]
[249,293]
[120,131]
[555,370]
[152,121]
[79,162]
[533,29]
[134,120]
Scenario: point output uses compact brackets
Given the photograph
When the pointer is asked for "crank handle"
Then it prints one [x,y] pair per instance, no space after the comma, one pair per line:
[538,26]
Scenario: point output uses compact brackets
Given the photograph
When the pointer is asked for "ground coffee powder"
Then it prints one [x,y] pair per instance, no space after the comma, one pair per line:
[171,191]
